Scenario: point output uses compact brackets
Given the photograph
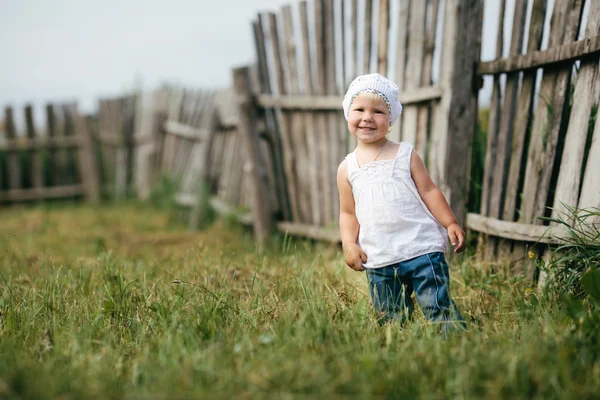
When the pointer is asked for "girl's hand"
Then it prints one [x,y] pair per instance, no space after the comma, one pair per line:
[355,257]
[457,237]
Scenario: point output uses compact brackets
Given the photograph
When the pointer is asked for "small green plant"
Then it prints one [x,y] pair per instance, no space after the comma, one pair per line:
[162,195]
[580,251]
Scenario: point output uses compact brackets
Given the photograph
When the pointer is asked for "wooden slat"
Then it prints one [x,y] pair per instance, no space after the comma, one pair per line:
[546,130]
[51,163]
[185,131]
[567,186]
[334,131]
[516,231]
[334,103]
[87,163]
[260,204]
[383,34]
[423,111]
[13,164]
[311,231]
[35,157]
[458,107]
[41,193]
[310,122]
[296,127]
[39,143]
[197,177]
[320,118]
[284,121]
[400,67]
[523,113]
[505,132]
[367,36]
[590,191]
[541,121]
[353,67]
[278,178]
[414,67]
[520,139]
[566,53]
[500,170]
[341,26]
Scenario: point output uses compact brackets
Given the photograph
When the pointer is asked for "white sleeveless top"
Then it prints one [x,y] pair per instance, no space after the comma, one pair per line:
[395,224]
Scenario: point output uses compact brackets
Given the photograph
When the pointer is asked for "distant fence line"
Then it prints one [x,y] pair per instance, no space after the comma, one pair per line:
[58,162]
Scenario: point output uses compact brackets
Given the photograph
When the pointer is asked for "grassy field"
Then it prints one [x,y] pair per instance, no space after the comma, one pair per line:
[123,302]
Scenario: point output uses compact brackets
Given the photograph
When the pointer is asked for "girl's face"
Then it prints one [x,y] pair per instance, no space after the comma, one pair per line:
[369,118]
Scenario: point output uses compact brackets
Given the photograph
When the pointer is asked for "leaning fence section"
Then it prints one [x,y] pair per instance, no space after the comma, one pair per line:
[307,55]
[50,162]
[189,137]
[543,150]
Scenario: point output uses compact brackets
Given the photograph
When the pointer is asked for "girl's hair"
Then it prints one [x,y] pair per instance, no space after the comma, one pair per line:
[374,96]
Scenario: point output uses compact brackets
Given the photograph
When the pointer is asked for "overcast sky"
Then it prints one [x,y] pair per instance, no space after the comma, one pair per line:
[82,49]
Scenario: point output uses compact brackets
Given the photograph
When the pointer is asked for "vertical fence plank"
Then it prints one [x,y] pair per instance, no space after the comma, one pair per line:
[567,185]
[520,138]
[462,49]
[383,35]
[51,132]
[310,122]
[367,36]
[334,134]
[13,161]
[523,112]
[271,122]
[321,117]
[591,180]
[505,133]
[247,127]
[535,187]
[88,167]
[493,125]
[424,110]
[414,68]
[284,121]
[400,66]
[35,155]
[297,128]
[353,67]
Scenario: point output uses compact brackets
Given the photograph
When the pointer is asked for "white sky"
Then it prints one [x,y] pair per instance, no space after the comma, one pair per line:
[54,50]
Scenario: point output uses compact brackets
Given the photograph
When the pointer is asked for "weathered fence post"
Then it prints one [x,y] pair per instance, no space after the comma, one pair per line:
[88,165]
[458,116]
[247,128]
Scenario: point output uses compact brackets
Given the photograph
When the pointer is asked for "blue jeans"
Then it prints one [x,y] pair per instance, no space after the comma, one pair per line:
[427,276]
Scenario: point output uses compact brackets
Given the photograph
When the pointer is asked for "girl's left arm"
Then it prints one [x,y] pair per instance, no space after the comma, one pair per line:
[435,201]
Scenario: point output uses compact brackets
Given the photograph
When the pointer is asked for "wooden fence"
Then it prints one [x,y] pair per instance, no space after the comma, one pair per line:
[54,162]
[306,60]
[190,137]
[543,148]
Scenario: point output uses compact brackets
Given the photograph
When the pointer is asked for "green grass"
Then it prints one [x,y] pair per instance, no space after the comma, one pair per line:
[121,302]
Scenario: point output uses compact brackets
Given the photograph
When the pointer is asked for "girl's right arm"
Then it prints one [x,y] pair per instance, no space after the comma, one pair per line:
[349,227]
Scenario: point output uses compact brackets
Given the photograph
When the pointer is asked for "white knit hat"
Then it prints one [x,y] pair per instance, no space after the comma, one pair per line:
[374,83]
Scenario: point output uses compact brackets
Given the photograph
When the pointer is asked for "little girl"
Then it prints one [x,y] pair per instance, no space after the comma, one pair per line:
[393,218]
